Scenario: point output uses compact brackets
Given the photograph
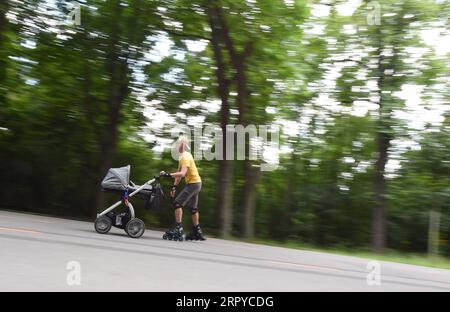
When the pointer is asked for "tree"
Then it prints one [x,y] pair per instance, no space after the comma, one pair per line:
[256,42]
[384,50]
[226,166]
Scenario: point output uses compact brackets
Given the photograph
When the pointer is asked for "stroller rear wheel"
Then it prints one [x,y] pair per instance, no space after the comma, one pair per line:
[103,224]
[135,228]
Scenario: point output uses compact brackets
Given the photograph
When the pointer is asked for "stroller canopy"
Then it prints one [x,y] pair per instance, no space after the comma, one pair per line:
[117,178]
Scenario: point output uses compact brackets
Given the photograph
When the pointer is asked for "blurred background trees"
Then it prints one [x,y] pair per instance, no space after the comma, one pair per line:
[360,90]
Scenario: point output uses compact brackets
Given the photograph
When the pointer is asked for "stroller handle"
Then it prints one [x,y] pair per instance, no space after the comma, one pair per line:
[165,175]
[141,187]
[155,178]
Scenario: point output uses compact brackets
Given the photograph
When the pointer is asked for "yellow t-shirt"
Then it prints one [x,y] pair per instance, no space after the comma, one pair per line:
[192,175]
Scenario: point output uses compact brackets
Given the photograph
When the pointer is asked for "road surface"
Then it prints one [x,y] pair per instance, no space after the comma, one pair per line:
[39,253]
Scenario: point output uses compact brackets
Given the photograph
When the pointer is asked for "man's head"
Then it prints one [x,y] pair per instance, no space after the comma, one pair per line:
[183,144]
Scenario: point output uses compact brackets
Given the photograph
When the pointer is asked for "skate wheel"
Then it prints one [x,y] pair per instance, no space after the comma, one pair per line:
[103,224]
[135,228]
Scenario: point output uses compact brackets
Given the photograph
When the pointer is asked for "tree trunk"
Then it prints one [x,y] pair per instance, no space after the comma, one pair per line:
[433,233]
[225,188]
[383,138]
[3,21]
[252,175]
[117,68]
[238,62]
[118,92]
[287,198]
[105,164]
[285,212]
[4,7]
[378,213]
[225,204]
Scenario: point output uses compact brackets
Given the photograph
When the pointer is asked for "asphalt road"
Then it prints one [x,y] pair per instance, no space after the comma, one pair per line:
[40,253]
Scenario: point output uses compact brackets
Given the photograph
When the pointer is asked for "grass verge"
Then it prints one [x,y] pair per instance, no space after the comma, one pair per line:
[388,255]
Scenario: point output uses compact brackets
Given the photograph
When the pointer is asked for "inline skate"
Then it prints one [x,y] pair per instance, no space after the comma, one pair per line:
[175,234]
[196,234]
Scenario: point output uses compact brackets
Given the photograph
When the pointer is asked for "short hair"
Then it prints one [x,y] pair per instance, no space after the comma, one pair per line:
[182,139]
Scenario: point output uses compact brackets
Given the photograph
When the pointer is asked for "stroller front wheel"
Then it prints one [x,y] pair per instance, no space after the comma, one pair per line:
[135,228]
[103,224]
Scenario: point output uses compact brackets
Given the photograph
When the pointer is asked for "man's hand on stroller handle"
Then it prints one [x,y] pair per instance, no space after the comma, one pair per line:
[165,174]
[173,191]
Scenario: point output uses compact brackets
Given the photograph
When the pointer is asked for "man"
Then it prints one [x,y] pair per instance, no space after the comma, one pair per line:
[188,197]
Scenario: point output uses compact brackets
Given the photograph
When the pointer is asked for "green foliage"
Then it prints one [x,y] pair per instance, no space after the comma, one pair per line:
[61,86]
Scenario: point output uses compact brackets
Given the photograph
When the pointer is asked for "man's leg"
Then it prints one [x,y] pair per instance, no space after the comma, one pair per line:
[196,233]
[176,233]
[195,219]
[178,215]
[193,205]
[178,204]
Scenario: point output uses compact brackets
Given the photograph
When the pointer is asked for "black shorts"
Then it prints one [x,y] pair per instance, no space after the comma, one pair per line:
[188,197]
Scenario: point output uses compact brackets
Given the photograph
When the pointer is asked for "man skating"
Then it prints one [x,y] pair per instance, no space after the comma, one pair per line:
[188,197]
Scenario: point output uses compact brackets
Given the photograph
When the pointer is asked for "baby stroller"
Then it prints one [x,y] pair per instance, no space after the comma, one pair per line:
[117,180]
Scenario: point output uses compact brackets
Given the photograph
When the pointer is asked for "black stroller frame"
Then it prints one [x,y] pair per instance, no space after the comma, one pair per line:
[117,180]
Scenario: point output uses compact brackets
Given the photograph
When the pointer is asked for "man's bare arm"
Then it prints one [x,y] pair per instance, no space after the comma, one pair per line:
[179,174]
